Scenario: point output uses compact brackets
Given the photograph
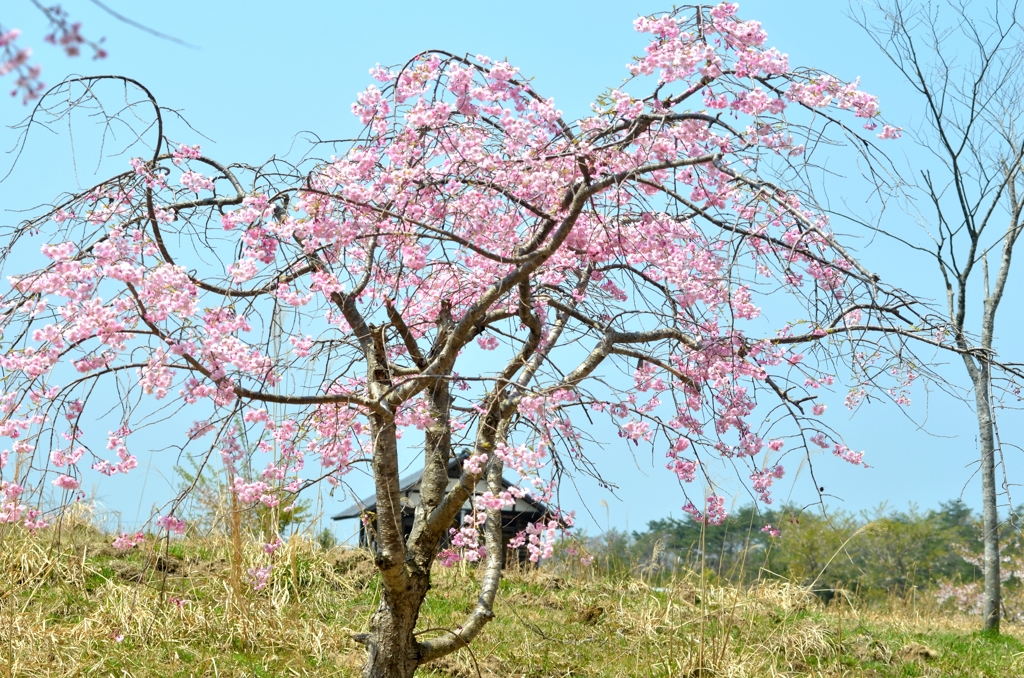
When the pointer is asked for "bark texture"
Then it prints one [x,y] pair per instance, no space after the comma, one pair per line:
[990,507]
[391,647]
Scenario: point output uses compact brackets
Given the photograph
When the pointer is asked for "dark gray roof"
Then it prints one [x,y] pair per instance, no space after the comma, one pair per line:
[410,482]
[369,503]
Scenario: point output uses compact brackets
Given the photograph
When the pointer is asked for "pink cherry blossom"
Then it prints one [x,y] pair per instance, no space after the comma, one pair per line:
[184,152]
[172,524]
[128,541]
[67,483]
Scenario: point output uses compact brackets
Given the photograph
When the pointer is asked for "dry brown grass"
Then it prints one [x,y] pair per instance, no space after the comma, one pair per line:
[73,606]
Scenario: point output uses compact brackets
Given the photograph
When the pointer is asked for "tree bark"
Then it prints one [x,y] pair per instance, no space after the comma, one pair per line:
[990,514]
[391,647]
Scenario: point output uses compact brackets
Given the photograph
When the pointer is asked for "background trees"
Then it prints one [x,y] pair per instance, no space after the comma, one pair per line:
[875,556]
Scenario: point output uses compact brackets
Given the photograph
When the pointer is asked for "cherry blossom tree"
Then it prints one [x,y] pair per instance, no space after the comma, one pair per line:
[473,270]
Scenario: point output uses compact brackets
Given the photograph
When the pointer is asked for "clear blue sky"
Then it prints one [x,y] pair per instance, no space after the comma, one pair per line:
[263,71]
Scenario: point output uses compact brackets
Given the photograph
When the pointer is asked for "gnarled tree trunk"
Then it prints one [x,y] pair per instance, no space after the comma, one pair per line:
[391,647]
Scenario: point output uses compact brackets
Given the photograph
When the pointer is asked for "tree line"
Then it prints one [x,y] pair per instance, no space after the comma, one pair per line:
[872,554]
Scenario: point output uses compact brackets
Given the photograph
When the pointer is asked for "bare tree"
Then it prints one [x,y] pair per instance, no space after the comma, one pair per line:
[965,63]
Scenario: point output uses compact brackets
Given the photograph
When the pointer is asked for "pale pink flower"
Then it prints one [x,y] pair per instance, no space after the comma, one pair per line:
[67,483]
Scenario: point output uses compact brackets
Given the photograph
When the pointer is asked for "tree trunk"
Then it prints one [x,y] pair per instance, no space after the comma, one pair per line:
[990,515]
[391,646]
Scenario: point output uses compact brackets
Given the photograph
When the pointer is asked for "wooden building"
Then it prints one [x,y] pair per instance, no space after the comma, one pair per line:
[514,519]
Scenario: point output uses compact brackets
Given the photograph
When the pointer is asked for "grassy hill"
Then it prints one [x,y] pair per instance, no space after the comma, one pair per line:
[74,606]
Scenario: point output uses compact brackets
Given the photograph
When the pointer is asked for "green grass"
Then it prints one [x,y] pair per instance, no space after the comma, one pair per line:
[79,607]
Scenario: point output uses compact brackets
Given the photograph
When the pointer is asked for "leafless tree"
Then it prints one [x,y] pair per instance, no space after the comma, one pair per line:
[963,62]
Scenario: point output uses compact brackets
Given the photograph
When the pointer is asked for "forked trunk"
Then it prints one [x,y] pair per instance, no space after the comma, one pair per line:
[391,644]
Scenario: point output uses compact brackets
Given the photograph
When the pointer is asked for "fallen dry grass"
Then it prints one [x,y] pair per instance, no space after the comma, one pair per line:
[72,605]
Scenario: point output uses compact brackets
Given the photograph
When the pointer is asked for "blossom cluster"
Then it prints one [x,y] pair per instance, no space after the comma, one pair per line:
[15,59]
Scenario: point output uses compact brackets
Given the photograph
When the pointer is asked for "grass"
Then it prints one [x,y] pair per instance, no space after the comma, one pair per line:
[78,607]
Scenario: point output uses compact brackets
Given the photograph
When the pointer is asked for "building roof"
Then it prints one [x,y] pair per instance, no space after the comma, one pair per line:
[409,487]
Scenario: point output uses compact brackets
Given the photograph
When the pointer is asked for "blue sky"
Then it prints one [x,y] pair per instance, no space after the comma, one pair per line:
[262,72]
